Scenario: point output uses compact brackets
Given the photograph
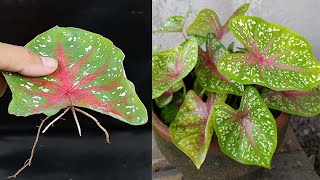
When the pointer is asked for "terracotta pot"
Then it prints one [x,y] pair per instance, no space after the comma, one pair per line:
[217,165]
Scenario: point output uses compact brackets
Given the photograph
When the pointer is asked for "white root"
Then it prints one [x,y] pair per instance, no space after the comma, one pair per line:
[56,119]
[73,109]
[97,122]
[76,119]
[28,161]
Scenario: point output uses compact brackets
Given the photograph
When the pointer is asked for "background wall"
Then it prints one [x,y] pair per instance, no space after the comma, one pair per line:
[301,16]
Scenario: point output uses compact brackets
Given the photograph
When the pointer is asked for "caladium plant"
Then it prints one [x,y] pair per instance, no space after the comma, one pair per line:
[90,75]
[275,69]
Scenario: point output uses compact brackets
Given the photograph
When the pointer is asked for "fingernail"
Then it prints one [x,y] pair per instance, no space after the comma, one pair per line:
[49,62]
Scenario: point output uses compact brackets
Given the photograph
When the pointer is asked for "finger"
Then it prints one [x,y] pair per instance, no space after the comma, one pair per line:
[3,85]
[21,60]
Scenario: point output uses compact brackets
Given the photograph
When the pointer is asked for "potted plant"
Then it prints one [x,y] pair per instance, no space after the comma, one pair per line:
[227,110]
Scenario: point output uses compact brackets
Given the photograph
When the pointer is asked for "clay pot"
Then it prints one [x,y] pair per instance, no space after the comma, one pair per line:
[217,165]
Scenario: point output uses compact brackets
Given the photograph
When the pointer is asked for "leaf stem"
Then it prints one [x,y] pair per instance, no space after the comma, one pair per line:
[184,87]
[185,37]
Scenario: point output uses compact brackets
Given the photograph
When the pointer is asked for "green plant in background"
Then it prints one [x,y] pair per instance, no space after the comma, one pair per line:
[90,75]
[228,92]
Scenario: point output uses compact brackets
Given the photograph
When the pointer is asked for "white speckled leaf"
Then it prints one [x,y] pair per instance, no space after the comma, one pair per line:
[166,97]
[249,134]
[173,24]
[192,129]
[277,57]
[90,75]
[207,21]
[206,69]
[239,12]
[171,66]
[293,102]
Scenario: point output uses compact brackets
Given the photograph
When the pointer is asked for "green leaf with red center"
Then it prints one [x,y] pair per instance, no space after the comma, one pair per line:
[206,69]
[90,74]
[249,134]
[277,57]
[192,129]
[208,21]
[169,112]
[166,97]
[293,102]
[171,66]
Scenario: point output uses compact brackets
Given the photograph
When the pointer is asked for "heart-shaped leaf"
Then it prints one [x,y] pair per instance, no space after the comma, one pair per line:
[239,12]
[90,75]
[169,112]
[277,57]
[293,102]
[166,97]
[171,66]
[192,129]
[249,134]
[208,21]
[206,69]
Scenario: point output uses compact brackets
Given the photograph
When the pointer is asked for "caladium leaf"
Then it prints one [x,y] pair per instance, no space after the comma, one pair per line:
[171,66]
[156,48]
[166,97]
[192,129]
[206,69]
[293,102]
[90,74]
[173,24]
[208,21]
[200,39]
[239,12]
[249,134]
[277,57]
[169,112]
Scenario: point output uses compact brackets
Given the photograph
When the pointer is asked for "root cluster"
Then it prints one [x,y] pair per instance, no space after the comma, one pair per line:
[73,109]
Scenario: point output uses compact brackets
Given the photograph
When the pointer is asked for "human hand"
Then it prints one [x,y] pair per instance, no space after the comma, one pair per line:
[21,60]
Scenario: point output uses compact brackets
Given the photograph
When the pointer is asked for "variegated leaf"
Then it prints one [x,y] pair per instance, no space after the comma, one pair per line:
[249,134]
[207,21]
[90,74]
[277,57]
[206,69]
[173,24]
[171,66]
[293,102]
[166,97]
[239,12]
[192,129]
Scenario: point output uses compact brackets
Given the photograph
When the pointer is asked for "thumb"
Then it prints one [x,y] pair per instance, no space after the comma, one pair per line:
[21,60]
